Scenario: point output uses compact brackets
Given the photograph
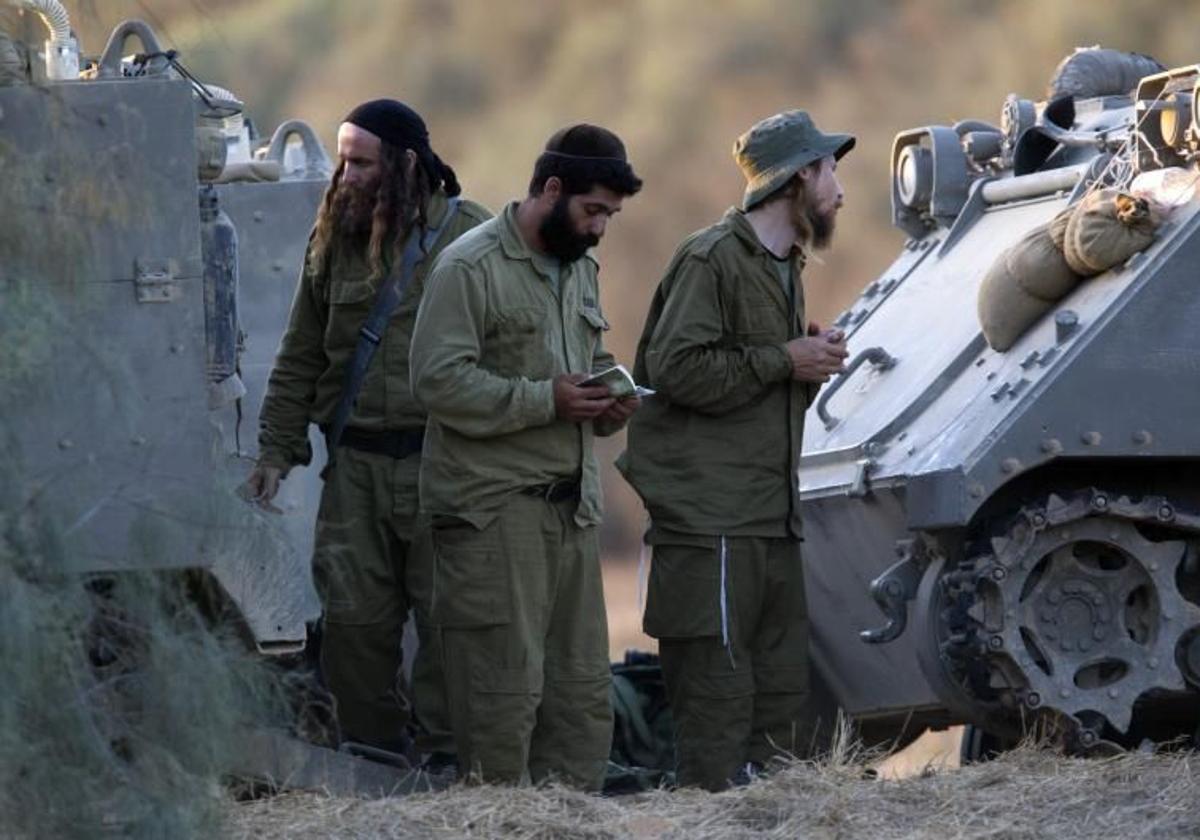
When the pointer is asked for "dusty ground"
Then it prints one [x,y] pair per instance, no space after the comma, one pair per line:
[918,793]
[1027,794]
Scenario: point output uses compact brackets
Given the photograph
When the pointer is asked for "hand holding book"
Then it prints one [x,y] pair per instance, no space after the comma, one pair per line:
[619,382]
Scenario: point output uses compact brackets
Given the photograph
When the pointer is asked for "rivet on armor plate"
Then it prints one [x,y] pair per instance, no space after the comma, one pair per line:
[1112,692]
[1152,663]
[66,443]
[1142,437]
[259,215]
[1091,438]
[975,490]
[1063,693]
[1010,465]
[1052,446]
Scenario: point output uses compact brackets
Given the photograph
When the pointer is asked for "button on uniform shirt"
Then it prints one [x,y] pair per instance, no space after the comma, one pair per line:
[490,337]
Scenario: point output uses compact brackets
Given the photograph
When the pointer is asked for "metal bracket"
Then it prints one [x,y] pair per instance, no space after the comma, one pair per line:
[154,280]
[893,589]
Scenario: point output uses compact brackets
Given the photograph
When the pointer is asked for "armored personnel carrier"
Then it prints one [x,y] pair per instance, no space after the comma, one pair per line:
[148,257]
[1010,538]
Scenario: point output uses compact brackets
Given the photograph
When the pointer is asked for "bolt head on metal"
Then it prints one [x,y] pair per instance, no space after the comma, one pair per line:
[996,642]
[1033,699]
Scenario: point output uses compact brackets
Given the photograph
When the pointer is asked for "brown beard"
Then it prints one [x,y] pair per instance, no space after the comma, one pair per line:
[375,218]
[351,211]
[814,229]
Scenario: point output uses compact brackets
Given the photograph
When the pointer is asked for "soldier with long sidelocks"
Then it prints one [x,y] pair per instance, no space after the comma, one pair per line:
[509,328]
[714,456]
[391,208]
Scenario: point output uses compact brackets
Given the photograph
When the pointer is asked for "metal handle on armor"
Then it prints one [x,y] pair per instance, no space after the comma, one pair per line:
[316,161]
[876,356]
[110,59]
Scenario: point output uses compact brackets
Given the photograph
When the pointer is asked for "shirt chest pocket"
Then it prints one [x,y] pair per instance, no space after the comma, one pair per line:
[518,342]
[759,320]
[349,304]
[593,324]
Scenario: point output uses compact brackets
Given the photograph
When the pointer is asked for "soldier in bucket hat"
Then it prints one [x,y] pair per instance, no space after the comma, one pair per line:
[714,456]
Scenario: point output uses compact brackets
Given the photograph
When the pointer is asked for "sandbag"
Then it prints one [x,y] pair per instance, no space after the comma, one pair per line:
[1023,284]
[1107,228]
[1058,226]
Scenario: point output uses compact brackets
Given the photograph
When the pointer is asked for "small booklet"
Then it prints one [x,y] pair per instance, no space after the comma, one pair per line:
[619,381]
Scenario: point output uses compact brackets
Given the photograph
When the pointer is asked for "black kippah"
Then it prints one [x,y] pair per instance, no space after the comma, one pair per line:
[584,140]
[395,123]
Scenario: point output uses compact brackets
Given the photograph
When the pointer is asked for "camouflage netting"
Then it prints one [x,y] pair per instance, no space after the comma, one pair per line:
[121,706]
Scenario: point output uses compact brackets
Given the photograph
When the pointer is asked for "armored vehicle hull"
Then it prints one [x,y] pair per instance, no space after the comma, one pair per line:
[1015,531]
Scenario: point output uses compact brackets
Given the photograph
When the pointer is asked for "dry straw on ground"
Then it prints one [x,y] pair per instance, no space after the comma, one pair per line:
[1029,793]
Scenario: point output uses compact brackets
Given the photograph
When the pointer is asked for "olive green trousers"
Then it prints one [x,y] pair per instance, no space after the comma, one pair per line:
[372,563]
[520,608]
[732,625]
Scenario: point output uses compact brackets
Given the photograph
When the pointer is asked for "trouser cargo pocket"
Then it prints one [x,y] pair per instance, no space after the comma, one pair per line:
[683,599]
[471,576]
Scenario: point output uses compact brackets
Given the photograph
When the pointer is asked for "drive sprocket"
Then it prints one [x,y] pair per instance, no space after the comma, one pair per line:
[1076,611]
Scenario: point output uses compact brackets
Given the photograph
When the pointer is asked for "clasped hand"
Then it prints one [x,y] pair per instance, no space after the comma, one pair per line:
[817,356]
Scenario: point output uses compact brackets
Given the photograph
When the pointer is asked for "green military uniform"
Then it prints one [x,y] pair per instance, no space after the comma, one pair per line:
[714,456]
[514,496]
[371,561]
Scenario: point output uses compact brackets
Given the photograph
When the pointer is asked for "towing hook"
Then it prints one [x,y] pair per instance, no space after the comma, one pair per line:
[893,589]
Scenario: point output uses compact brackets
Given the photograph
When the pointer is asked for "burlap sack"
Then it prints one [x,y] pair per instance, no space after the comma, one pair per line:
[1023,284]
[1107,228]
[1058,226]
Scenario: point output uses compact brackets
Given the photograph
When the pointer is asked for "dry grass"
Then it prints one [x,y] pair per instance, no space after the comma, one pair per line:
[1028,793]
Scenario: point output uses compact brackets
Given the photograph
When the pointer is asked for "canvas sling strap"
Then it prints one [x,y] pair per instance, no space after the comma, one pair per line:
[370,334]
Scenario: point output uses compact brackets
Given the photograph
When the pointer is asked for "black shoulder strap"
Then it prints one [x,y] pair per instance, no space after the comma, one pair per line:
[371,333]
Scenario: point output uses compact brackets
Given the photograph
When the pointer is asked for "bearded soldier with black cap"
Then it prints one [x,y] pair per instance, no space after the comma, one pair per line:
[714,456]
[391,208]
[509,327]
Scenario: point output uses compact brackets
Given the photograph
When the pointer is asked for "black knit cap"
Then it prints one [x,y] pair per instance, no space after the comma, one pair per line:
[397,124]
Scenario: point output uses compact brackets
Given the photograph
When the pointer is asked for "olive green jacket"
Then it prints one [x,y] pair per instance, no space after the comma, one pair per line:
[715,451]
[490,336]
[329,308]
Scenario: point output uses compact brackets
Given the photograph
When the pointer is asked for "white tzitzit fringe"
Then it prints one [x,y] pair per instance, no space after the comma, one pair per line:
[725,602]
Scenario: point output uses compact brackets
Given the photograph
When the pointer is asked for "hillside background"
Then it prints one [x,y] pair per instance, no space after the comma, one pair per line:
[677,79]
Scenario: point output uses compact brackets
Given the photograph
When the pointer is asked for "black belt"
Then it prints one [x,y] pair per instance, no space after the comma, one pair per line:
[395,443]
[562,490]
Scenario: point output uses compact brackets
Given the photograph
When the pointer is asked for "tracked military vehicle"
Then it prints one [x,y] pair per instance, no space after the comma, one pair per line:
[150,246]
[1012,538]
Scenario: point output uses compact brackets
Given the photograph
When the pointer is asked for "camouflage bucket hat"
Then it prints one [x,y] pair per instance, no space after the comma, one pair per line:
[776,148]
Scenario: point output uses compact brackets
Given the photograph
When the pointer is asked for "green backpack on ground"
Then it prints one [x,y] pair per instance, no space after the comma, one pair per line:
[643,748]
